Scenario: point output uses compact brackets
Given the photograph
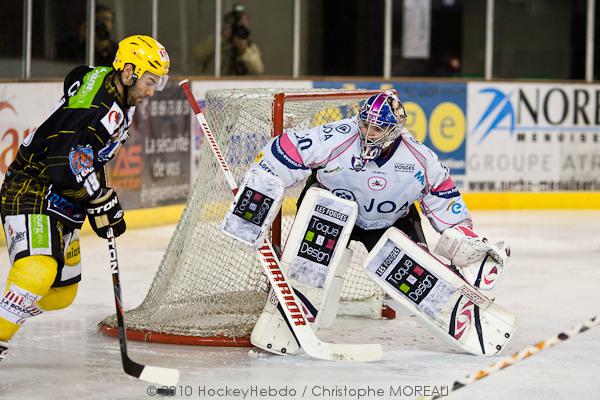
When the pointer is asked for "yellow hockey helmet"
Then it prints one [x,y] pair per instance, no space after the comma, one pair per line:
[146,54]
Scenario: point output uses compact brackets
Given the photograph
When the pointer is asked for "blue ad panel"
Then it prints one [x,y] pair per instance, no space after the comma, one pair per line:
[436,115]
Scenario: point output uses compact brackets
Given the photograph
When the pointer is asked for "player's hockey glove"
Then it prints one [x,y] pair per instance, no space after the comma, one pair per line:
[105,212]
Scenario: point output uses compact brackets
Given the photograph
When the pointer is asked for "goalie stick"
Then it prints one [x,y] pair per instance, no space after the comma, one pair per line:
[158,375]
[292,308]
[519,356]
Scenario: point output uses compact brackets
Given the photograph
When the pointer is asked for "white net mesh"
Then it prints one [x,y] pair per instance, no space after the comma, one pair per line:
[207,284]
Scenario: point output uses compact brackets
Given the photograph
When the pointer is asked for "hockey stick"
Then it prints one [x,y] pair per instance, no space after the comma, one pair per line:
[519,356]
[311,344]
[158,375]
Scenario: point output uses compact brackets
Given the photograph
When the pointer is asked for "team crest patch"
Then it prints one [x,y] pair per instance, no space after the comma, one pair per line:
[81,160]
[357,163]
[377,183]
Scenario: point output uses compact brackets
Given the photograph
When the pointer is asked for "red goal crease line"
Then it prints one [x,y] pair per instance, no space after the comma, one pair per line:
[170,338]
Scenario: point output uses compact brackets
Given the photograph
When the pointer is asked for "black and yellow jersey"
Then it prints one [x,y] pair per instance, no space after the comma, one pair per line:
[59,167]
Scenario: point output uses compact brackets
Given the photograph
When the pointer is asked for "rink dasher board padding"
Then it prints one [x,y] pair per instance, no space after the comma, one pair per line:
[442,301]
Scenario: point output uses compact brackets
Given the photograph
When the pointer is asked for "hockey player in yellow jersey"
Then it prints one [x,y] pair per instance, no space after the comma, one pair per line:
[57,179]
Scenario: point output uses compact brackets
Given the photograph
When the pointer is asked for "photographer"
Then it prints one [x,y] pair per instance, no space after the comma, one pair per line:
[245,55]
[72,46]
[239,54]
[105,46]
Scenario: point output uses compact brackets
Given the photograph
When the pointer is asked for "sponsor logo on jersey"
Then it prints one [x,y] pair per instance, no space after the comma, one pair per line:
[15,239]
[377,183]
[446,194]
[266,166]
[73,254]
[16,235]
[90,79]
[113,119]
[385,207]
[343,128]
[259,156]
[344,194]
[404,167]
[65,208]
[456,208]
[331,171]
[283,157]
[420,177]
[92,82]
[39,232]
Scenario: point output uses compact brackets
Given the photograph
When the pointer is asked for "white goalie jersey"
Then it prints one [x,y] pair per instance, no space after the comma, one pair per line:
[383,188]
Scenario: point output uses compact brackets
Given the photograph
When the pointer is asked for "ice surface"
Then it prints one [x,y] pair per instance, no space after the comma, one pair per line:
[552,283]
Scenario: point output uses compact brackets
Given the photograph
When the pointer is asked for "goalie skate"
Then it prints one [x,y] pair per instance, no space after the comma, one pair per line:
[442,301]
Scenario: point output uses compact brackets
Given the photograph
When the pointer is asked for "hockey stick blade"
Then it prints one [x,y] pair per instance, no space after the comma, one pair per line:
[309,342]
[157,375]
[525,353]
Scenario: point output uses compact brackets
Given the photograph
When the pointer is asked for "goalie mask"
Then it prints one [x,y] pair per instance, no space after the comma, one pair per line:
[381,119]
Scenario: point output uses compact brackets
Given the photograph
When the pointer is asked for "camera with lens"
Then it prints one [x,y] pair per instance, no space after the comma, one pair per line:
[237,12]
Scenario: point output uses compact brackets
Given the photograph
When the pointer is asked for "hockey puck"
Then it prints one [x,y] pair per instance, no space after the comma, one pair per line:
[166,391]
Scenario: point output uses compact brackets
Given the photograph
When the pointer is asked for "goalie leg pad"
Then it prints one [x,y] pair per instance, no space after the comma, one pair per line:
[272,332]
[315,255]
[256,205]
[331,301]
[442,301]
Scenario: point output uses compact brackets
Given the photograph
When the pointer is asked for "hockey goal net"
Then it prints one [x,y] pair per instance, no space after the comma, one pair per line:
[209,289]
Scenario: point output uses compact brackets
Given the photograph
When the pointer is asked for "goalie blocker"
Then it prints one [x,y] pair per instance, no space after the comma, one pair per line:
[449,307]
[315,259]
[256,205]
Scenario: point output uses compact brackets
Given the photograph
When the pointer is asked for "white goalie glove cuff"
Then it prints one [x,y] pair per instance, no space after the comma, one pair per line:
[463,247]
[256,205]
[479,262]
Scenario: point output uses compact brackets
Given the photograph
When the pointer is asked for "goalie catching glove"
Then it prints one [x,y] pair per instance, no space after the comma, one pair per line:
[479,262]
[106,212]
[256,205]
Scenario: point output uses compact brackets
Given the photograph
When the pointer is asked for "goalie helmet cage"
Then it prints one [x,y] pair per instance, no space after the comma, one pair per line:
[210,289]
